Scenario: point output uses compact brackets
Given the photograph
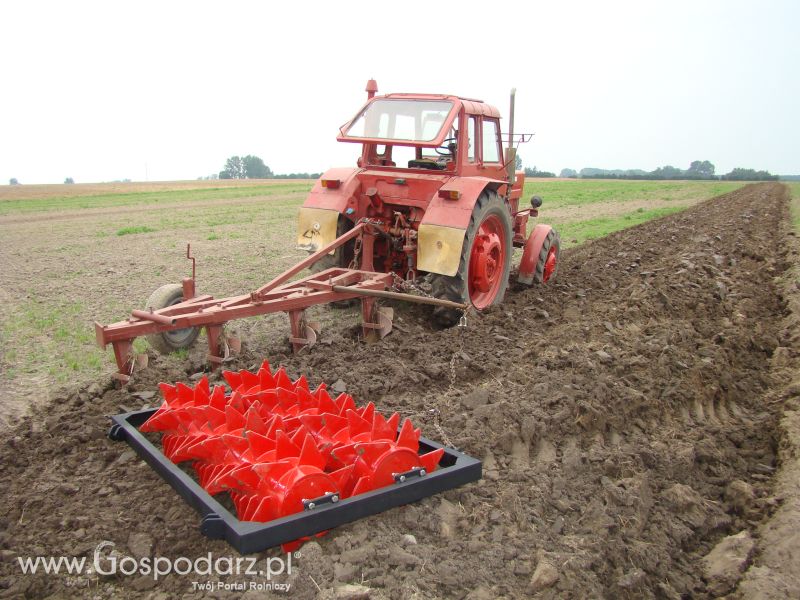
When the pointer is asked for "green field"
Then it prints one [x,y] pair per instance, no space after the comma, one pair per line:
[580,192]
[71,259]
[794,186]
[147,199]
[586,209]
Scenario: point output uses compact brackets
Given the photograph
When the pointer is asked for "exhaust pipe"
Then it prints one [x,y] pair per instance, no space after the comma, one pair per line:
[511,152]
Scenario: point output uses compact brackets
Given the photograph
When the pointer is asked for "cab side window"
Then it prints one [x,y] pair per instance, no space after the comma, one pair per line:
[471,139]
[491,141]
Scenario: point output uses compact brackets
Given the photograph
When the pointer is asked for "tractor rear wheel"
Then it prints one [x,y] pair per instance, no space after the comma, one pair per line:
[169,341]
[482,276]
[343,255]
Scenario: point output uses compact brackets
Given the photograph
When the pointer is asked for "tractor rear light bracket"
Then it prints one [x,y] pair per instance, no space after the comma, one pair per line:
[217,522]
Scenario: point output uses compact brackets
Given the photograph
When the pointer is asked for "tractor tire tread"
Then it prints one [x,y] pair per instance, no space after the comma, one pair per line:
[339,258]
[552,239]
[455,287]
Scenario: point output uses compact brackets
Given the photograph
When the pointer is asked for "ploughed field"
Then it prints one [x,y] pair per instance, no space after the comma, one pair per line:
[627,418]
[73,254]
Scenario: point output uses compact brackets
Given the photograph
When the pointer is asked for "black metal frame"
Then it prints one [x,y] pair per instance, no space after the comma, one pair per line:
[218,522]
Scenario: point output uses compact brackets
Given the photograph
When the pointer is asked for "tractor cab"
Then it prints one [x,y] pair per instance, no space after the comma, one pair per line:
[428,133]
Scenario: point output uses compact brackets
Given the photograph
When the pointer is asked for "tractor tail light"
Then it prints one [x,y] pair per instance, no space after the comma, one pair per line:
[450,194]
[330,184]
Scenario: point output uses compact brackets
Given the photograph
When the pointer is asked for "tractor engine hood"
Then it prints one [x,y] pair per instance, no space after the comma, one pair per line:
[405,189]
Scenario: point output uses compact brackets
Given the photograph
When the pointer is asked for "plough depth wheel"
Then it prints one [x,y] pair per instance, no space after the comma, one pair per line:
[169,341]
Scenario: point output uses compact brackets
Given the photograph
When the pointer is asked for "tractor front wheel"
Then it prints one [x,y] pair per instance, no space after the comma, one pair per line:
[169,341]
[482,276]
[547,265]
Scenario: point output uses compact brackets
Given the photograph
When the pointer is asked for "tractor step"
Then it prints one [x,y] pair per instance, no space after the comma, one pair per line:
[271,440]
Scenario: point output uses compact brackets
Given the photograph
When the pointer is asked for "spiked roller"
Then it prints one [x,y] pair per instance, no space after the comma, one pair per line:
[278,448]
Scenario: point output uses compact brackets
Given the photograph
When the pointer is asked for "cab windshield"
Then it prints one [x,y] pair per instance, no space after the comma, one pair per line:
[401,120]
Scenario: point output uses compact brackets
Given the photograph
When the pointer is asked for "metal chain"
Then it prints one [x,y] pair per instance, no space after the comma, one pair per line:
[451,388]
[356,253]
[406,285]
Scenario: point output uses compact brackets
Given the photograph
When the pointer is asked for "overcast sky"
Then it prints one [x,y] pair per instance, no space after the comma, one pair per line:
[163,90]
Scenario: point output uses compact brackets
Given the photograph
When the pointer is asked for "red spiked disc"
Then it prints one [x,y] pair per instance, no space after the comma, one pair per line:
[277,447]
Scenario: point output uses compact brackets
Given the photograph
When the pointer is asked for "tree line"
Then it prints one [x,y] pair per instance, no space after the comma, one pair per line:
[253,167]
[698,169]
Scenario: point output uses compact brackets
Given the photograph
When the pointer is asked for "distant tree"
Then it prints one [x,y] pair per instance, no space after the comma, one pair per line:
[234,168]
[518,163]
[739,174]
[700,170]
[568,173]
[247,167]
[69,180]
[534,172]
[296,175]
[13,181]
[594,173]
[668,172]
[254,168]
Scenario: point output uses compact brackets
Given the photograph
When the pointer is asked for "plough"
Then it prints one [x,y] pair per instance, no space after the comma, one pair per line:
[331,285]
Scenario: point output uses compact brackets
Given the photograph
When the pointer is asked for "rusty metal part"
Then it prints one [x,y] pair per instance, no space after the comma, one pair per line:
[400,296]
[153,316]
[212,313]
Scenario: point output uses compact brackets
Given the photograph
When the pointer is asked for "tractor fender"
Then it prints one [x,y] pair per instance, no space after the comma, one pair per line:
[444,224]
[530,255]
[319,216]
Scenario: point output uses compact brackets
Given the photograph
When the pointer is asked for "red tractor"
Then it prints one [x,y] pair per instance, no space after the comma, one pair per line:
[434,194]
[434,177]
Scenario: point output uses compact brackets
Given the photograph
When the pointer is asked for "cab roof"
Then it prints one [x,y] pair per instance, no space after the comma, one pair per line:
[471,106]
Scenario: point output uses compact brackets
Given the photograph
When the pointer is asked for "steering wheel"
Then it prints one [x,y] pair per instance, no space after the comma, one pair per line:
[447,148]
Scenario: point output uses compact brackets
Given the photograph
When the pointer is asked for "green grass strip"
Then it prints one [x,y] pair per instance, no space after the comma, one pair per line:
[149,198]
[578,232]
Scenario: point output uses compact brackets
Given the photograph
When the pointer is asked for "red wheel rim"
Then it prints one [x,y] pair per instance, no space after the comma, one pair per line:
[487,262]
[550,264]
